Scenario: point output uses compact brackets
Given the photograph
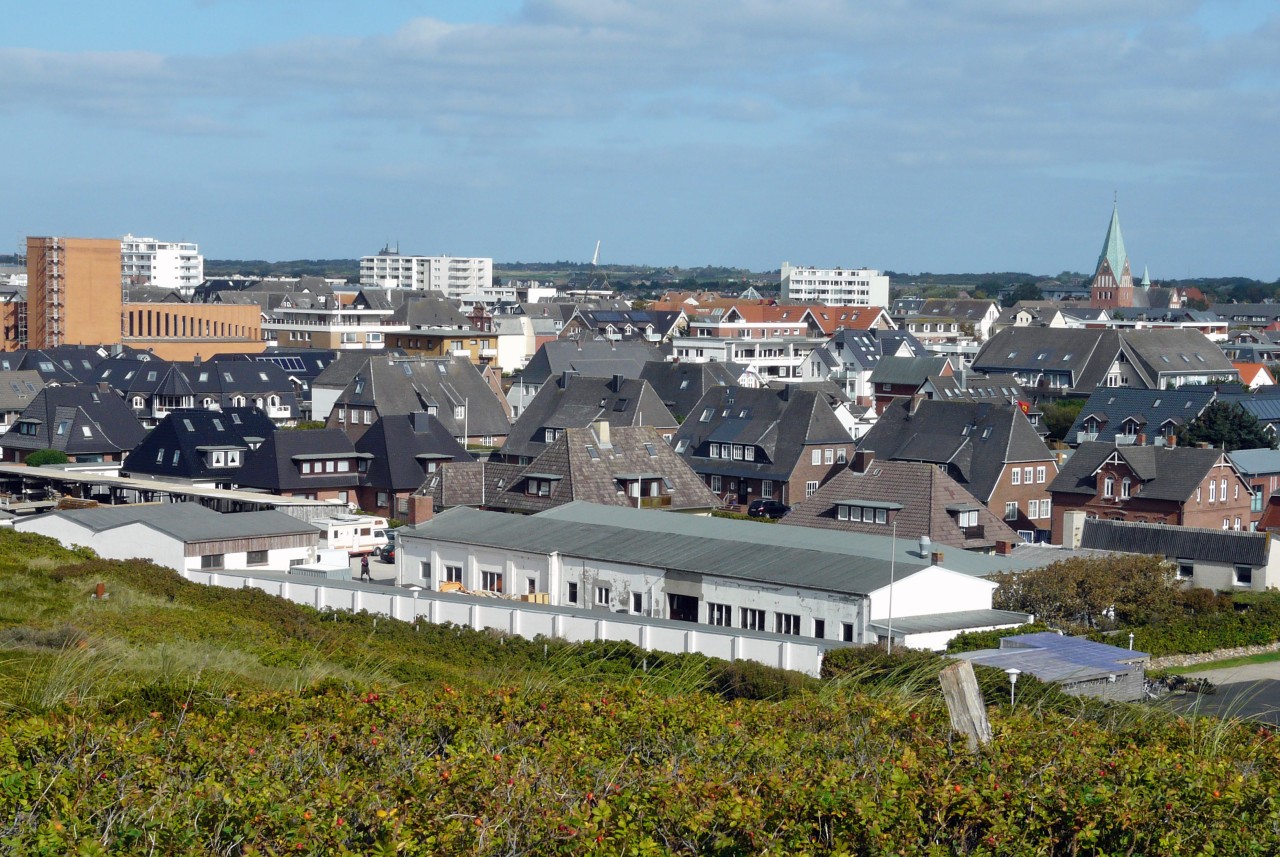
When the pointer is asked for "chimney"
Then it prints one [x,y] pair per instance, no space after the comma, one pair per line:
[1004,548]
[196,360]
[616,383]
[936,558]
[601,429]
[863,459]
[1141,439]
[564,378]
[1202,445]
[914,405]
[1171,441]
[785,393]
[421,509]
[418,421]
[1073,528]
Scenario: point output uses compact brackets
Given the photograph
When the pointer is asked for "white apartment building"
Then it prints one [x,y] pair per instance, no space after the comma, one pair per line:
[835,286]
[452,276]
[164,264]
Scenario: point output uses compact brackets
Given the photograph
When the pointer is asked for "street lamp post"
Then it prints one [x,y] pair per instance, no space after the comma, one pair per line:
[1131,641]
[893,552]
[1013,673]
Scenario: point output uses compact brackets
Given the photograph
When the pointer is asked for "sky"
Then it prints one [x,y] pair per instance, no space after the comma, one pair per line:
[906,135]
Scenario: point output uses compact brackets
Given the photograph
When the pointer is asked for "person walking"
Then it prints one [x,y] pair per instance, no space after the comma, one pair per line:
[364,568]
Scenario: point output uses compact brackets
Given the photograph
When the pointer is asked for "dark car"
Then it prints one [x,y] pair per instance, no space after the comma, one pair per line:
[767,509]
[387,553]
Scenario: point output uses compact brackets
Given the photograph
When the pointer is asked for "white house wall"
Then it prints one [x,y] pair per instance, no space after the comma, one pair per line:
[932,590]
[125,542]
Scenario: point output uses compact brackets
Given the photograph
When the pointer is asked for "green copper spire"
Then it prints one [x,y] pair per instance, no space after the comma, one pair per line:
[1146,279]
[1113,248]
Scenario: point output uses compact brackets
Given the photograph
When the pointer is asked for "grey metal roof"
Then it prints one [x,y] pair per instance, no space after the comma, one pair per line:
[1252,462]
[1176,542]
[189,522]
[958,621]
[745,550]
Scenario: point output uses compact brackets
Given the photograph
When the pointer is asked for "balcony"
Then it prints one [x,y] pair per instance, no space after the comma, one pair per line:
[977,531]
[655,502]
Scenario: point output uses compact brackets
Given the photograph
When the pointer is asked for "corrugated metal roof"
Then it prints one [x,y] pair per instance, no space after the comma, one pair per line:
[188,521]
[1176,542]
[832,561]
[957,621]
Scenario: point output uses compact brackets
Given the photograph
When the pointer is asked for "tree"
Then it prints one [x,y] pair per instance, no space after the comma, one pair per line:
[1228,426]
[1023,292]
[46,456]
[1092,591]
[1060,416]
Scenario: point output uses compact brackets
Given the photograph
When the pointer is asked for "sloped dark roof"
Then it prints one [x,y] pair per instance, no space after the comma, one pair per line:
[18,388]
[577,402]
[188,432]
[778,423]
[396,441]
[1214,545]
[1085,353]
[403,386]
[907,370]
[78,421]
[66,364]
[1167,473]
[975,439]
[969,309]
[864,349]
[272,466]
[589,358]
[1112,405]
[923,490]
[590,471]
[469,483]
[681,385]
[431,311]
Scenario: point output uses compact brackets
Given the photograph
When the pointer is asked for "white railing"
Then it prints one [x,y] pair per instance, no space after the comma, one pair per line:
[530,620]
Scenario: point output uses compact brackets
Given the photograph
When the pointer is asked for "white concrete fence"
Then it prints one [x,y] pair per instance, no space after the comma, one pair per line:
[531,620]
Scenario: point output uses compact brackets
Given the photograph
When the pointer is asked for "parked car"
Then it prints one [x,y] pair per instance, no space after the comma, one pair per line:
[387,553]
[767,509]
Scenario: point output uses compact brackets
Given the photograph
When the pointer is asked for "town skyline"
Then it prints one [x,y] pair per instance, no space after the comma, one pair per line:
[954,138]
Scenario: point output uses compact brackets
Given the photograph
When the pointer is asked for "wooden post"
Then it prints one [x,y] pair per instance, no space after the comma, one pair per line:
[964,703]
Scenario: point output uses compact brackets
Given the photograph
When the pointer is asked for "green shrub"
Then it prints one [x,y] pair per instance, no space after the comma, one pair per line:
[46,456]
[972,641]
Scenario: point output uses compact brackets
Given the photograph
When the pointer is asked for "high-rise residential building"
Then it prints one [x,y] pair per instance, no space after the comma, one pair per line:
[73,291]
[835,286]
[452,276]
[164,264]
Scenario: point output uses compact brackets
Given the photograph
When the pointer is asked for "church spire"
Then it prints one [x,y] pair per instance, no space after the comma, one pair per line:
[1113,252]
[1146,278]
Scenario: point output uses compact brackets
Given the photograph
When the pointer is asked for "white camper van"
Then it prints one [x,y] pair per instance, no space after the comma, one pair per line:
[356,534]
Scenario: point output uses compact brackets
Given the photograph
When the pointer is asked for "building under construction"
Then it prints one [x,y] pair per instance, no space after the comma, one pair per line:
[73,291]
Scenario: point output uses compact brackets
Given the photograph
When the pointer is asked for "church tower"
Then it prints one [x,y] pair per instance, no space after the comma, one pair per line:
[1112,281]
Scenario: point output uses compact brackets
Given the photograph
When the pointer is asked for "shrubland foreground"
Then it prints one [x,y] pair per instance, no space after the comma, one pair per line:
[175,719]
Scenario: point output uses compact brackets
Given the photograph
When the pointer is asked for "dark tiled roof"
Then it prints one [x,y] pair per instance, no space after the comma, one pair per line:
[1167,473]
[590,471]
[403,386]
[1176,542]
[1112,405]
[779,423]
[18,388]
[396,442]
[591,358]
[974,439]
[577,402]
[186,432]
[469,483]
[907,370]
[681,385]
[924,491]
[78,421]
[272,466]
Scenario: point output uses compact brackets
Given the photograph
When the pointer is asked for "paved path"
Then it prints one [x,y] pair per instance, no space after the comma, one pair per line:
[1248,691]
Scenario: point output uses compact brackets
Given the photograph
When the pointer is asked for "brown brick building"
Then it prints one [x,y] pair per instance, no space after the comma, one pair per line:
[1186,486]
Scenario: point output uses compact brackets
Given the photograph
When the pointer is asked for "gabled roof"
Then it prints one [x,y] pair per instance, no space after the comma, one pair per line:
[77,421]
[577,402]
[589,358]
[18,388]
[1110,406]
[975,439]
[907,370]
[469,483]
[273,466]
[403,386]
[188,522]
[591,471]
[779,423]
[926,493]
[848,563]
[398,444]
[966,309]
[177,447]
[864,349]
[681,385]
[1167,473]
[1232,546]
[431,311]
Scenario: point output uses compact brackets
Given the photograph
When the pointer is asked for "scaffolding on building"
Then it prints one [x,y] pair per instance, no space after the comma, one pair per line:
[47,331]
